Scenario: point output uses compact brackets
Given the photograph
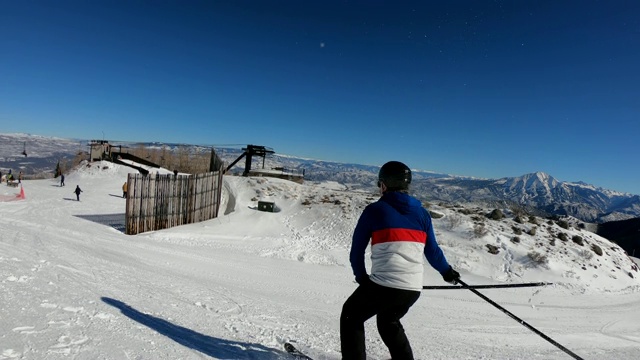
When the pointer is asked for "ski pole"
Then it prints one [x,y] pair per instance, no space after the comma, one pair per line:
[494,286]
[522,322]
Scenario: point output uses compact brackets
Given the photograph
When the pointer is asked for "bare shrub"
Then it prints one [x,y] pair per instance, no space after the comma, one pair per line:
[452,221]
[563,224]
[519,219]
[182,159]
[517,230]
[515,239]
[533,220]
[562,236]
[596,249]
[532,231]
[496,214]
[538,258]
[517,210]
[493,249]
[578,240]
[479,230]
[586,254]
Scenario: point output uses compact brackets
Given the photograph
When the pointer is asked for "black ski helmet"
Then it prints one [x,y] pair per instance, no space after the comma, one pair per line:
[395,175]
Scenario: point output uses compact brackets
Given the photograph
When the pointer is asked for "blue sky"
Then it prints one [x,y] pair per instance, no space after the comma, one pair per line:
[478,88]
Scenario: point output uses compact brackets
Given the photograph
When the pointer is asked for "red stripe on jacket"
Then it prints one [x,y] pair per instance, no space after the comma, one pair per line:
[397,234]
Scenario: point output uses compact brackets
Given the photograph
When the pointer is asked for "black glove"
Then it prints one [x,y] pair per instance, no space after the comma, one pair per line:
[364,280]
[451,276]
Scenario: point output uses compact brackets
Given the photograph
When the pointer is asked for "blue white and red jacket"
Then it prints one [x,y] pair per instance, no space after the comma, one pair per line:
[401,235]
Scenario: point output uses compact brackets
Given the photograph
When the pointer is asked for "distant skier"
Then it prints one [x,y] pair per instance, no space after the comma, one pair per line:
[124,190]
[61,180]
[401,235]
[77,191]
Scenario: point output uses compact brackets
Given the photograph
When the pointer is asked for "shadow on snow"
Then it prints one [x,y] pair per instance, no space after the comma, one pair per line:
[116,221]
[208,345]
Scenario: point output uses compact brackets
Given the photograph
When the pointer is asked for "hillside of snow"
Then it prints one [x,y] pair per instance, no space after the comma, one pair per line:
[315,222]
[73,285]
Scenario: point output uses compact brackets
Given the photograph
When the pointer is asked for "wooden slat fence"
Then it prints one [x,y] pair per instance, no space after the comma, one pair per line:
[163,201]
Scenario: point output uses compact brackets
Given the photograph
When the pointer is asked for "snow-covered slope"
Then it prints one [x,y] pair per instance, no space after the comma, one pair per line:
[236,287]
[316,220]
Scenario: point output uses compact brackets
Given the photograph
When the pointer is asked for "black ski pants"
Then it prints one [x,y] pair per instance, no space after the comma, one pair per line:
[389,305]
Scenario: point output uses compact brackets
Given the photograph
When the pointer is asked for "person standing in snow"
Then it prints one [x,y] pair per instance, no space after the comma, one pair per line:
[124,190]
[61,180]
[401,235]
[77,191]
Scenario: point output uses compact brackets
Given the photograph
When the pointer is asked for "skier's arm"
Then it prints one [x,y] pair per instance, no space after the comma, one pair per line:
[361,237]
[432,251]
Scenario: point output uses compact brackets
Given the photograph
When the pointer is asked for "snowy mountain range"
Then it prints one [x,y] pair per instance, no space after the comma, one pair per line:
[538,193]
[33,154]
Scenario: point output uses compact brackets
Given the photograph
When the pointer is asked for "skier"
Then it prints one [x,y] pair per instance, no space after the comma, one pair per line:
[77,191]
[401,235]
[61,180]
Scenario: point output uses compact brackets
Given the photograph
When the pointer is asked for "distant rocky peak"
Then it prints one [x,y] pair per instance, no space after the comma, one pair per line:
[543,176]
[531,181]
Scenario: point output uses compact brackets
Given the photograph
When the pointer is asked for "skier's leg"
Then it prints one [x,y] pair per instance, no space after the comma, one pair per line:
[358,308]
[389,326]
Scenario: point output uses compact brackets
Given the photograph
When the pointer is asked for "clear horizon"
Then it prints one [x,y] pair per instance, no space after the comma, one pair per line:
[17,144]
[488,90]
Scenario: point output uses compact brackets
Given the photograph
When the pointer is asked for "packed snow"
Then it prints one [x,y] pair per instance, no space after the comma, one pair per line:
[74,286]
